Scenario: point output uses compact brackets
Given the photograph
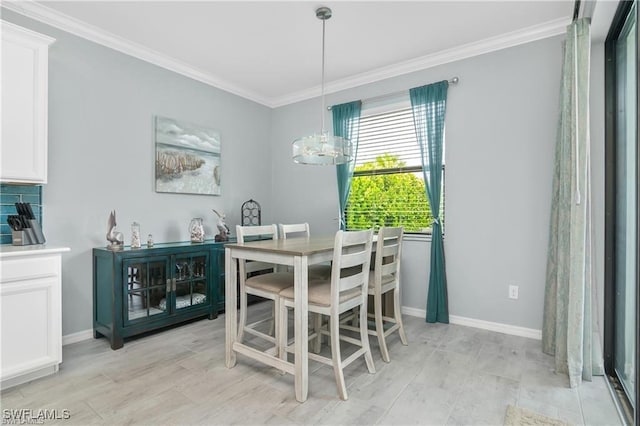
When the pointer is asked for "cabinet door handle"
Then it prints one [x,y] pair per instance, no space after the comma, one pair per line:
[168,285]
[174,284]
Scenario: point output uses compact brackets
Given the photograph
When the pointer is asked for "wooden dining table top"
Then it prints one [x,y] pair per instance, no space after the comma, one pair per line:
[297,246]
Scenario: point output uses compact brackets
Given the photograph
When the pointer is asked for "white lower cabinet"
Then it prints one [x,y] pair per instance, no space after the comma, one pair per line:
[31,314]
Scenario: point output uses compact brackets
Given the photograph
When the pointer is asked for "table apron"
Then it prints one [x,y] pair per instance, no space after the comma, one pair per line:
[278,258]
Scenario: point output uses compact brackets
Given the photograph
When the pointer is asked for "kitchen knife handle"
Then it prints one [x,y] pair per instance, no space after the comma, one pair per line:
[29,211]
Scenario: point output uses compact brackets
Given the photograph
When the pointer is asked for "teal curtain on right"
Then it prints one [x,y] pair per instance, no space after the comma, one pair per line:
[569,330]
[346,123]
[429,106]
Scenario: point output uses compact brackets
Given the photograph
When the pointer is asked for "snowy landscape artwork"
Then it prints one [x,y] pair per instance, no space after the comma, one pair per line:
[187,158]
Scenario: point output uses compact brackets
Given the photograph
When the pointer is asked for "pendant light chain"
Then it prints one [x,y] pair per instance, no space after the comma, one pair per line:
[323,148]
[322,81]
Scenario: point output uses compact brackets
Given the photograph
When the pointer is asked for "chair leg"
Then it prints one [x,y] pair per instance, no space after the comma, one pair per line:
[364,338]
[282,336]
[243,315]
[398,316]
[273,326]
[317,326]
[334,327]
[354,320]
[281,319]
[276,323]
[377,301]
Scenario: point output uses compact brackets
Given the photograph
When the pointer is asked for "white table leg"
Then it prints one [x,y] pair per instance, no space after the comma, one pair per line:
[300,272]
[230,313]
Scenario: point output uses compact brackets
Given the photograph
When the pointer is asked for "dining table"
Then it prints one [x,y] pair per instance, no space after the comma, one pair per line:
[297,253]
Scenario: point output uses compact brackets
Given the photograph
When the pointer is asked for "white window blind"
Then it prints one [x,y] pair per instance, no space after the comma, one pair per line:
[388,185]
[390,132]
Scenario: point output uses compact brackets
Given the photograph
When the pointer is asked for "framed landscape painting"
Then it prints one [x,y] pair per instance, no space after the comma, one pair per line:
[187,158]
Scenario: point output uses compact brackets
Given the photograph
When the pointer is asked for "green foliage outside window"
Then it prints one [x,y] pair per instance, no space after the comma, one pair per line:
[387,199]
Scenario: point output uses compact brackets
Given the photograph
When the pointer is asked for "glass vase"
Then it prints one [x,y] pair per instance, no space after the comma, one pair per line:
[196,229]
[135,235]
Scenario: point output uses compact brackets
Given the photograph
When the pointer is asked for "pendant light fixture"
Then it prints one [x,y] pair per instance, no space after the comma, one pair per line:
[322,149]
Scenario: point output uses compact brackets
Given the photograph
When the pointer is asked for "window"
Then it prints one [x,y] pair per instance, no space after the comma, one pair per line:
[387,188]
[622,207]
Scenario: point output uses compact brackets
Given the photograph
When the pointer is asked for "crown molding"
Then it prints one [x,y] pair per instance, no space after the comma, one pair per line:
[492,44]
[79,28]
[49,16]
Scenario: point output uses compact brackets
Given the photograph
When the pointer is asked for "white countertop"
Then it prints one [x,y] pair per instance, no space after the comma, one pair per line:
[8,250]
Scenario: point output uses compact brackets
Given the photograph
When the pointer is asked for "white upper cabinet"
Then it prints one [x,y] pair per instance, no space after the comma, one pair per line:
[23,145]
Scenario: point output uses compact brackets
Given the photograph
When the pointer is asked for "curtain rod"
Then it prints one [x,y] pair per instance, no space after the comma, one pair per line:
[583,9]
[454,80]
[576,9]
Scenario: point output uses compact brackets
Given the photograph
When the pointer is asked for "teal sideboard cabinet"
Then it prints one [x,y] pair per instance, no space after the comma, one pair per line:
[139,290]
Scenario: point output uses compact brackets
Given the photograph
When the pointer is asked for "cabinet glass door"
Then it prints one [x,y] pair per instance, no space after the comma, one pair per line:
[147,288]
[191,274]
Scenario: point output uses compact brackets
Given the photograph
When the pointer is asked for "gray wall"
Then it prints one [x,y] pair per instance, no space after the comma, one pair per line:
[500,137]
[101,153]
[501,125]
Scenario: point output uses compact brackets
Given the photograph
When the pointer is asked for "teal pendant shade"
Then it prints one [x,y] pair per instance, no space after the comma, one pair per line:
[346,123]
[429,106]
[322,149]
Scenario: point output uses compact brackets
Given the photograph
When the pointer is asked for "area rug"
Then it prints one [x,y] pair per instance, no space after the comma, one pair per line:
[517,416]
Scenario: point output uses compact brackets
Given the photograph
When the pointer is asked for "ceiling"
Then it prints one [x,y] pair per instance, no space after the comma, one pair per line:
[270,52]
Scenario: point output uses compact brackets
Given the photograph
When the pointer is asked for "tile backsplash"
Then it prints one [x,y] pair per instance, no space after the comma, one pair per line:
[11,194]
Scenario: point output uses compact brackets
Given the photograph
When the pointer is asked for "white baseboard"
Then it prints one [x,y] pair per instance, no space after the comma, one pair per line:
[27,377]
[485,325]
[414,312]
[77,337]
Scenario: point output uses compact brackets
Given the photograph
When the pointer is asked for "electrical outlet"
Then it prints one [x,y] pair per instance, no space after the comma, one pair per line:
[513,292]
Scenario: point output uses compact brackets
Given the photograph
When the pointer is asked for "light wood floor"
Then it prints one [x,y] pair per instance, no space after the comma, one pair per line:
[448,374]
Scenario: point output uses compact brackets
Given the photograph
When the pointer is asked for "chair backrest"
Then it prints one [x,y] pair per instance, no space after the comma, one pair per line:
[299,229]
[264,232]
[351,261]
[388,254]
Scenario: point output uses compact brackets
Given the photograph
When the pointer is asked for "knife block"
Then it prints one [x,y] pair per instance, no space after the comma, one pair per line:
[37,232]
[28,236]
[20,238]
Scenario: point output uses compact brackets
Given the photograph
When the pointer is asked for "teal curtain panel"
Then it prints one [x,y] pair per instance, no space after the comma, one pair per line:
[569,329]
[429,106]
[346,123]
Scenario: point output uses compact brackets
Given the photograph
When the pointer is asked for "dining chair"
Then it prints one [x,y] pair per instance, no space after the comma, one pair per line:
[302,230]
[345,289]
[260,279]
[383,279]
[322,271]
